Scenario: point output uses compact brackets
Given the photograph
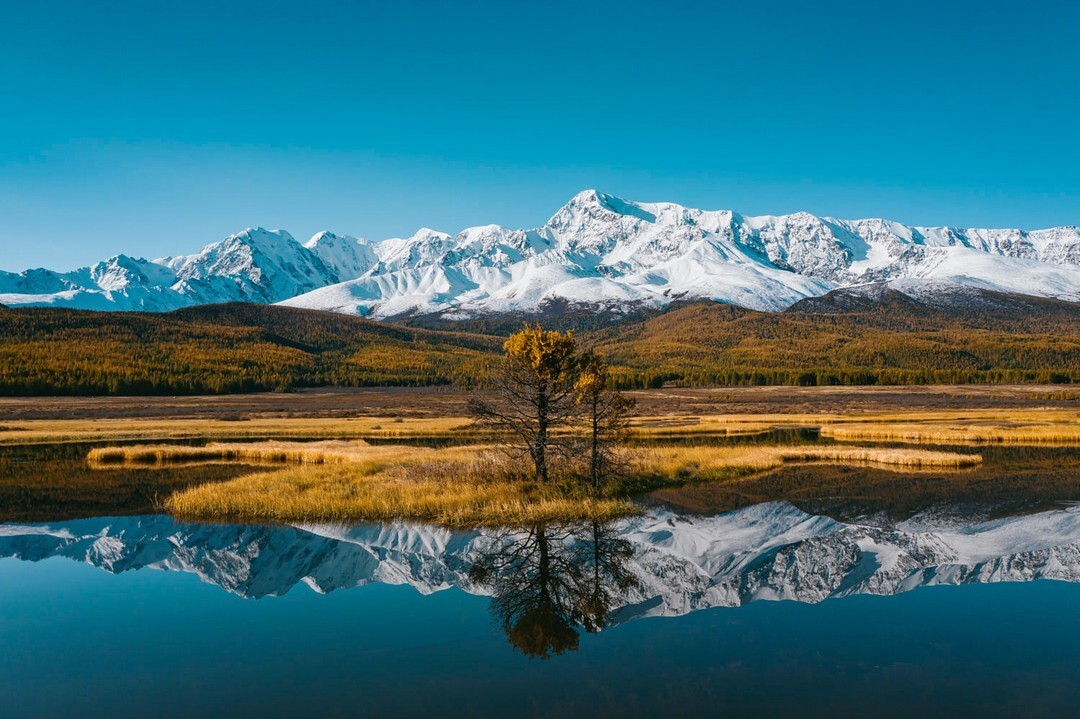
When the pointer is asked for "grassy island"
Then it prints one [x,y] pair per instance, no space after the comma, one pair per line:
[472,485]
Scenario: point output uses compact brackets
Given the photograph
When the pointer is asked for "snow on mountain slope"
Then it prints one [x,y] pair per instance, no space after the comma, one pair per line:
[603,251]
[597,250]
[255,265]
[347,257]
[680,564]
[119,283]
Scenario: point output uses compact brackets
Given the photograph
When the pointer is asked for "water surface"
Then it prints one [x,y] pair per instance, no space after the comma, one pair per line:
[816,592]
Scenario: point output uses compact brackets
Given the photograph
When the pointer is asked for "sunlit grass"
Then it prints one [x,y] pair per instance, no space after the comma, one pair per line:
[338,477]
[939,433]
[324,494]
[453,486]
[644,427]
[711,463]
[471,485]
[151,430]
[327,452]
[911,458]
[676,424]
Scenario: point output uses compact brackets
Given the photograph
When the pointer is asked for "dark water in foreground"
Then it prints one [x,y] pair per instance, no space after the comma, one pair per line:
[904,599]
[79,642]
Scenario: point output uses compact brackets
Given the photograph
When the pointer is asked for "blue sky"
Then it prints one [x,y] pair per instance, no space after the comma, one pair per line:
[155,128]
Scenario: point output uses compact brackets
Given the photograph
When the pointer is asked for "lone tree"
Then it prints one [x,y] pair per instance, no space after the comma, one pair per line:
[605,412]
[534,390]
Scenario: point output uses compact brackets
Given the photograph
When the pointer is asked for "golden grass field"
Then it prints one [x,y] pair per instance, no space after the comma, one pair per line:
[1028,425]
[53,431]
[704,463]
[327,452]
[463,485]
[466,485]
[957,432]
[1034,425]
[321,469]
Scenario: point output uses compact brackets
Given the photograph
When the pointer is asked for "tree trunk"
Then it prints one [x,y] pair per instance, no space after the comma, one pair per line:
[594,457]
[540,443]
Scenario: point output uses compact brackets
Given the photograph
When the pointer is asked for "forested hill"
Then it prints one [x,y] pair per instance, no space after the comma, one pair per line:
[222,349]
[849,337]
[842,338]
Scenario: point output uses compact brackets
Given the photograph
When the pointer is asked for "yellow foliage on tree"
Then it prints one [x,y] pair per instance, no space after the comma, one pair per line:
[534,390]
[547,354]
[544,383]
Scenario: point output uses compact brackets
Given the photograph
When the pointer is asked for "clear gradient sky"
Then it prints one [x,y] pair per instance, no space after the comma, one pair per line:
[154,128]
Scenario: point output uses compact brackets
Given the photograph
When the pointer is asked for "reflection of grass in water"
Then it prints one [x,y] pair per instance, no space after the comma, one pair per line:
[53,482]
[1010,479]
[477,485]
[473,484]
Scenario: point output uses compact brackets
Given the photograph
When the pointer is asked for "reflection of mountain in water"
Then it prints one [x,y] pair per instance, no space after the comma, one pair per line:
[678,564]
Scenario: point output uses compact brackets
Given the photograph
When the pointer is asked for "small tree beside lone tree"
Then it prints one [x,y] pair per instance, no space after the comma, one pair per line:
[545,384]
[605,414]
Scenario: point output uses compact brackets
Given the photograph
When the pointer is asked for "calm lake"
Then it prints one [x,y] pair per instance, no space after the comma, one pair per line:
[877,594]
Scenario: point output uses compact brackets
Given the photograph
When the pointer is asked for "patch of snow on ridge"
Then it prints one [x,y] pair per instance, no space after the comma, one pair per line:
[597,251]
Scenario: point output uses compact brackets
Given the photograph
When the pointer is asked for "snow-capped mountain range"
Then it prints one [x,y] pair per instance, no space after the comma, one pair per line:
[679,563]
[597,251]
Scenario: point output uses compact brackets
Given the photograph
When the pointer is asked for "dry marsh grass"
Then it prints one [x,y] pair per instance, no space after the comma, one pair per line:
[249,453]
[392,427]
[476,484]
[940,433]
[713,463]
[333,495]
[912,458]
[671,426]
[454,486]
[738,423]
[118,430]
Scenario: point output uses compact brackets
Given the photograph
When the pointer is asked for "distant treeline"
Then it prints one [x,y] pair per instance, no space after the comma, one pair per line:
[629,379]
[220,349]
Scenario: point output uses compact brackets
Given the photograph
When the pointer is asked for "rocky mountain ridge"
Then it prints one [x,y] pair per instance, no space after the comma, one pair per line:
[598,251]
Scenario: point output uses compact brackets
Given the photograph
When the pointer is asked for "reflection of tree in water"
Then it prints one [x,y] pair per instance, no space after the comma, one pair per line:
[607,579]
[551,580]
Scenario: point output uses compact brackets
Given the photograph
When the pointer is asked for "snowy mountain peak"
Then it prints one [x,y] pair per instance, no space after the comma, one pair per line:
[256,265]
[325,238]
[597,250]
[348,257]
[426,234]
[594,201]
[121,272]
[249,241]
